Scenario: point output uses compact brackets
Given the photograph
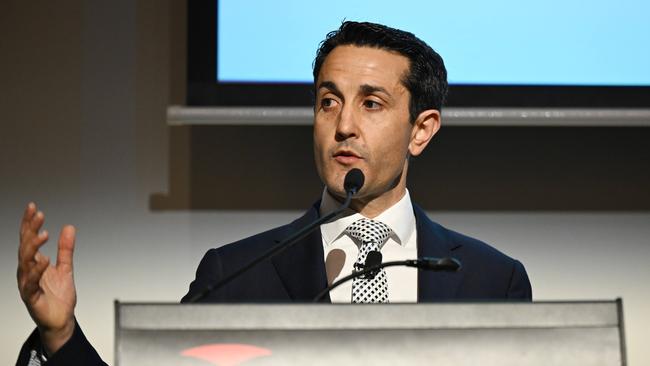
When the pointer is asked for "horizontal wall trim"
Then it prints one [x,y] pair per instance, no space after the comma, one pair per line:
[289,116]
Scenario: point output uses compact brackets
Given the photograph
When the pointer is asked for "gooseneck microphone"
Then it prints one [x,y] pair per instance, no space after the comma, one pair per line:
[352,184]
[373,265]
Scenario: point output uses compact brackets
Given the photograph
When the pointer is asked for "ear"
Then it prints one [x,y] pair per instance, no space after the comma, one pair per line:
[426,125]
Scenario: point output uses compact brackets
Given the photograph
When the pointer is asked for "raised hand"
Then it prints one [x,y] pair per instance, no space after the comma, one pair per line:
[47,290]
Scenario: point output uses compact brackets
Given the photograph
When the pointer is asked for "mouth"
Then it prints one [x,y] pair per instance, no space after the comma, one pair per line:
[346,157]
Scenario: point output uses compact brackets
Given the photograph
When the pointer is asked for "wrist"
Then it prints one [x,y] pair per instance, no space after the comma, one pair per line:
[54,339]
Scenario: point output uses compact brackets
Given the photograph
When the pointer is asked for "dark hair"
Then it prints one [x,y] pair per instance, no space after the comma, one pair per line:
[426,79]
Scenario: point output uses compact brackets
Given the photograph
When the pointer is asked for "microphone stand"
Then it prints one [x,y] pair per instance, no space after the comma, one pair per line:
[281,247]
[433,264]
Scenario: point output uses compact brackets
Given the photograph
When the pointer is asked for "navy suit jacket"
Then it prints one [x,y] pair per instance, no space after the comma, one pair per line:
[298,275]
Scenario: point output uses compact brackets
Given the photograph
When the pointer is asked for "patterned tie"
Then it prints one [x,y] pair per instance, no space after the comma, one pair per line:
[372,235]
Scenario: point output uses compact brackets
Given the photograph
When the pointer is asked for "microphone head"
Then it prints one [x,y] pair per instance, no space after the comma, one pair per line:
[449,264]
[373,258]
[353,181]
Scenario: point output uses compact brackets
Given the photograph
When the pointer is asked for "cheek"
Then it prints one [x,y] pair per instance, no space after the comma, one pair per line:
[392,155]
[392,144]
[321,154]
[320,149]
[317,135]
[320,128]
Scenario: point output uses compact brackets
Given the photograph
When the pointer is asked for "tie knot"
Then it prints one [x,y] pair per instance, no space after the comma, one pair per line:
[370,232]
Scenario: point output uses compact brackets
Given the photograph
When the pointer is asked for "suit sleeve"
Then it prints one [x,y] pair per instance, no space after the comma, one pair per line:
[77,351]
[208,273]
[519,287]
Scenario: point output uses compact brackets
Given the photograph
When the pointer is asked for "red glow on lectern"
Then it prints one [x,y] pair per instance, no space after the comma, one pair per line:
[226,354]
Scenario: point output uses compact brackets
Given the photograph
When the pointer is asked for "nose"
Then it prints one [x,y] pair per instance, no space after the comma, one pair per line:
[347,126]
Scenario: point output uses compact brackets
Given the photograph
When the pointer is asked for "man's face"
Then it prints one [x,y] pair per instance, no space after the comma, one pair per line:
[361,120]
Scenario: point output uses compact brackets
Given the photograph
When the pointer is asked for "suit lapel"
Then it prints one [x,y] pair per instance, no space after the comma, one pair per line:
[302,267]
[433,241]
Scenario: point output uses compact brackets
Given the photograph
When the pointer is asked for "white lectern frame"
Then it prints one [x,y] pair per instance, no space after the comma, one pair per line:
[494,333]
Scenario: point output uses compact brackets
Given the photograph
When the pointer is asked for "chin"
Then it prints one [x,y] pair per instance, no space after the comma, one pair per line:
[334,184]
[336,190]
[333,176]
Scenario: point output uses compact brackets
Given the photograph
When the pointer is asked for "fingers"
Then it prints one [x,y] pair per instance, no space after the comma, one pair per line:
[31,219]
[36,222]
[30,239]
[31,263]
[30,210]
[31,282]
[66,248]
[29,246]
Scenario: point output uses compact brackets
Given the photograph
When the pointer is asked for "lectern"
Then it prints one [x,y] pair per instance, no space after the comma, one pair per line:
[542,333]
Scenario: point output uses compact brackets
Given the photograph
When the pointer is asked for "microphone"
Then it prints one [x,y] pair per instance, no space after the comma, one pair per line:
[352,184]
[372,259]
[353,181]
[447,264]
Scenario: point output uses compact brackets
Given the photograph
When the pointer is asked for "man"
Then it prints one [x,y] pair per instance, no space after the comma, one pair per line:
[379,92]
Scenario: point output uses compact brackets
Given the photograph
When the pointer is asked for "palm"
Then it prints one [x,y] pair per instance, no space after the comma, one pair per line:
[53,304]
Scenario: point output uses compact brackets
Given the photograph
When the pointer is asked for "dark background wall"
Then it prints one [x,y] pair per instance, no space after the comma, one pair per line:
[83,90]
[466,168]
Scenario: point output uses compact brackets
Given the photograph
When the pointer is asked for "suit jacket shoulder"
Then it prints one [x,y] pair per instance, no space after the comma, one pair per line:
[486,272]
[297,274]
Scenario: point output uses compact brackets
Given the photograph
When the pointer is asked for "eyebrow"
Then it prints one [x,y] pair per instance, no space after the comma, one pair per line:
[365,89]
[331,86]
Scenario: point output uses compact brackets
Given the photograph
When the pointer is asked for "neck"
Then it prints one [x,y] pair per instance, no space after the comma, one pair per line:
[372,207]
[372,204]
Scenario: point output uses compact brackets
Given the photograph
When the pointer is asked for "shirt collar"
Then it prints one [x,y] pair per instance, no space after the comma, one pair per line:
[399,217]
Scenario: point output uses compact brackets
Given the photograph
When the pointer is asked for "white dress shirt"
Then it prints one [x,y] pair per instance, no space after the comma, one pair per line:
[341,250]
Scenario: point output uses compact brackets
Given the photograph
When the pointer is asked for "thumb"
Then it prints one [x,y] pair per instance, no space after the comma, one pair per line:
[66,248]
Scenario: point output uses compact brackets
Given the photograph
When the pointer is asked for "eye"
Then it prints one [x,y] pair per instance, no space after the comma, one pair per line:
[371,104]
[327,103]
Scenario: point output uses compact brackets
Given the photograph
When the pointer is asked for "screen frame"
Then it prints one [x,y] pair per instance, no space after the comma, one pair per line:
[204,90]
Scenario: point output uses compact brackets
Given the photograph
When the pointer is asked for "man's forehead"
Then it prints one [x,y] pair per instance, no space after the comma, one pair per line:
[352,53]
[366,67]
